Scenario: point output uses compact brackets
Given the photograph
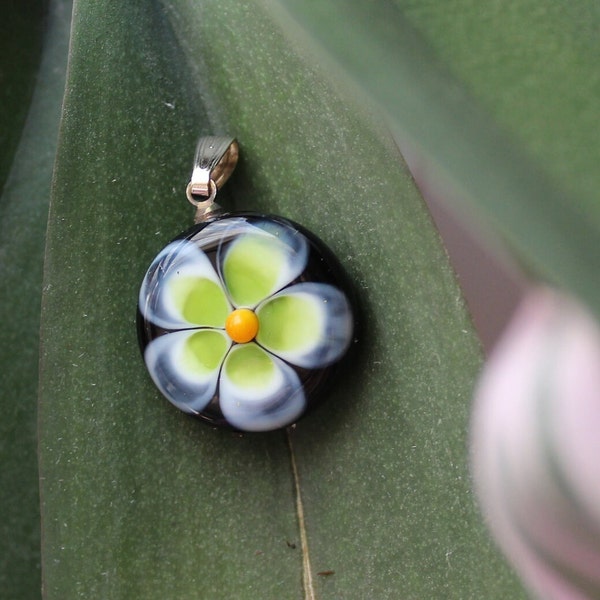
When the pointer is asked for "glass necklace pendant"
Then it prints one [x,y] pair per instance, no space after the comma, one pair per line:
[244,318]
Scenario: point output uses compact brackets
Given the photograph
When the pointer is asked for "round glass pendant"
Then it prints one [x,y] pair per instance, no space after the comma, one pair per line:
[243,320]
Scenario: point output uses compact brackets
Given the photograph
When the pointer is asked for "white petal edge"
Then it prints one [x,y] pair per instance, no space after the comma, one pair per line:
[190,392]
[179,258]
[289,242]
[279,405]
[337,322]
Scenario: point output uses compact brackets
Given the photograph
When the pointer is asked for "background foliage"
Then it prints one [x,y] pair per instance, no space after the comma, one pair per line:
[140,501]
[32,87]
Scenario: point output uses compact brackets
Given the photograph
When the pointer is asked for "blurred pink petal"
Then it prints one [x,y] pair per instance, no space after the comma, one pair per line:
[535,446]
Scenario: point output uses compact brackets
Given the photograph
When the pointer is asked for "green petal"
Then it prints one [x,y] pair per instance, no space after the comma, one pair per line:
[258,391]
[289,322]
[250,367]
[251,269]
[265,257]
[185,366]
[199,300]
[203,352]
[309,324]
[182,289]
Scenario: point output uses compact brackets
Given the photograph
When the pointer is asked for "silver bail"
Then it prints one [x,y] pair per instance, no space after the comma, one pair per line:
[214,162]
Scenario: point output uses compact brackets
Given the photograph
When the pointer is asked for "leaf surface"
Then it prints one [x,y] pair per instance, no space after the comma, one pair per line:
[23,214]
[499,103]
[142,501]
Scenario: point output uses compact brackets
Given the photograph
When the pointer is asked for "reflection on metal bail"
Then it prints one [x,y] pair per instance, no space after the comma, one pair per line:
[214,162]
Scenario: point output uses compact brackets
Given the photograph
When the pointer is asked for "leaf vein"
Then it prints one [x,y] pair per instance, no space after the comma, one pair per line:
[307,580]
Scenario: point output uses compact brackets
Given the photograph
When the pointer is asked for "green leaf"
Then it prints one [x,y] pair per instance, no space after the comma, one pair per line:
[499,102]
[141,501]
[23,214]
[21,27]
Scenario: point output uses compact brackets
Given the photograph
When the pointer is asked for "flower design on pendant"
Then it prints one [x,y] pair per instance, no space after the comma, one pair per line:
[241,319]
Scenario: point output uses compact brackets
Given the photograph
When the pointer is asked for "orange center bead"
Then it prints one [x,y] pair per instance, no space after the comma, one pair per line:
[242,325]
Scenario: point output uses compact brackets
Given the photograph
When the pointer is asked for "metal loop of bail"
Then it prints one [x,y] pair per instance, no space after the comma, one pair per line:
[215,160]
